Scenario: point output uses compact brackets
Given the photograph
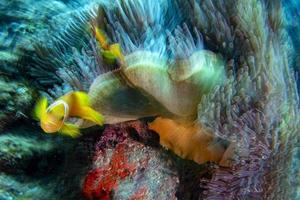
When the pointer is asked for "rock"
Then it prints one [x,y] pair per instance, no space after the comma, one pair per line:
[15,101]
[124,168]
[39,166]
[17,153]
[28,161]
[14,189]
[7,57]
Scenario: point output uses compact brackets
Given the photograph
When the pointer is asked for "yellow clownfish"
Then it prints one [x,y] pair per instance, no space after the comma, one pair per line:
[109,52]
[54,118]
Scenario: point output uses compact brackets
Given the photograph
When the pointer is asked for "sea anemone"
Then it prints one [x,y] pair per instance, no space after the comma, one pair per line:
[227,66]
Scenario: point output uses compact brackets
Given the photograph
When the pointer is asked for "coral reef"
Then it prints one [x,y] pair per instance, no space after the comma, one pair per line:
[49,48]
[16,100]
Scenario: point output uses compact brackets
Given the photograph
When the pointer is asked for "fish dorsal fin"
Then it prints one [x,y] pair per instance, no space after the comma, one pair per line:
[100,36]
[80,98]
[40,108]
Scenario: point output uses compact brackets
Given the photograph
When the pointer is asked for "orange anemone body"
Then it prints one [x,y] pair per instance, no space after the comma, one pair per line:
[188,141]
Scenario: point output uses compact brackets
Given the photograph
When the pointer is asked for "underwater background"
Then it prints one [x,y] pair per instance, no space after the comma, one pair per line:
[248,100]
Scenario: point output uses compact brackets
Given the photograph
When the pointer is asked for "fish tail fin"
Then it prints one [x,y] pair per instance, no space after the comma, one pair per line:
[40,108]
[90,114]
[116,51]
[71,130]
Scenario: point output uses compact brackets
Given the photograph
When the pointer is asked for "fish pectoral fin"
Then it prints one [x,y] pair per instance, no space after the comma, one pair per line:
[71,130]
[90,114]
[40,108]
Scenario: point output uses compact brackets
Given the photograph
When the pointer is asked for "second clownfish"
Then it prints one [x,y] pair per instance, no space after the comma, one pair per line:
[110,52]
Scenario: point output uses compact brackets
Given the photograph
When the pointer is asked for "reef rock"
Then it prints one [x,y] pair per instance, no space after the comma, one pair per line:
[25,157]
[124,168]
[33,164]
[21,189]
[15,99]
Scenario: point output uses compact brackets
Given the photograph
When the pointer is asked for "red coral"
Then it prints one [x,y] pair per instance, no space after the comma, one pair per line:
[99,183]
[117,133]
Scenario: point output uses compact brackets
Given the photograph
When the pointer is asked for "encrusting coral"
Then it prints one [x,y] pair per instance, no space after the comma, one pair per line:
[121,164]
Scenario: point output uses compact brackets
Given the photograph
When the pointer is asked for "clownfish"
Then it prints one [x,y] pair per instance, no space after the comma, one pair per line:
[109,52]
[53,118]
